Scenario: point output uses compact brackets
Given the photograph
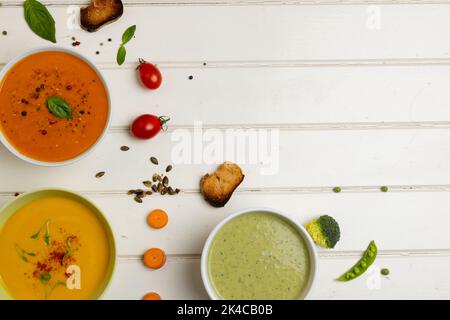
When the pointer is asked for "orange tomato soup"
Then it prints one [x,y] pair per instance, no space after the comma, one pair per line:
[27,123]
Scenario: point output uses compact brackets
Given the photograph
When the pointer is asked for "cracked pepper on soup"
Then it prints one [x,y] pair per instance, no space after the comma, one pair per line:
[67,126]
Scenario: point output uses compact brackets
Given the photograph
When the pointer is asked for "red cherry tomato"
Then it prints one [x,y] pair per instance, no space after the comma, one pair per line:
[149,74]
[147,126]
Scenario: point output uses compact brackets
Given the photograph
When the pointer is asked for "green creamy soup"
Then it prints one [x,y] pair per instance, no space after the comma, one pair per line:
[259,256]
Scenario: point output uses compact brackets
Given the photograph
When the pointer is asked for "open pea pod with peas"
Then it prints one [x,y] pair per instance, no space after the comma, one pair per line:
[362,265]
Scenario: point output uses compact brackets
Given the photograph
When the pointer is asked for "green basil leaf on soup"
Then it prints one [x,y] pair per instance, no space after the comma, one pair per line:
[59,107]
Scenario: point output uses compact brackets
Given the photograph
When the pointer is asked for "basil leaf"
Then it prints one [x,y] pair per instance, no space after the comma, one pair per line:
[59,107]
[128,34]
[39,20]
[121,54]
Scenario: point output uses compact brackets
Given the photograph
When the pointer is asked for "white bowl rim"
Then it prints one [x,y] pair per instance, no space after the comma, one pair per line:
[13,150]
[309,243]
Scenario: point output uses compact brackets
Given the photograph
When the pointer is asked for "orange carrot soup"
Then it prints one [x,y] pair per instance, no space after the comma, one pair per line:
[54,248]
[53,106]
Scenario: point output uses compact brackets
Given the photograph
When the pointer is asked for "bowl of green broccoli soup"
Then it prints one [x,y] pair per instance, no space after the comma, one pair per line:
[258,254]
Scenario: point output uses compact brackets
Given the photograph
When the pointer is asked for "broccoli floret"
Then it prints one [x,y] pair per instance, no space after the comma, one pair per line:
[324,231]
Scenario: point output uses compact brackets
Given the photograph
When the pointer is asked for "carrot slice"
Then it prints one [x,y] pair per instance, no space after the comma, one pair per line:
[154,258]
[157,219]
[152,296]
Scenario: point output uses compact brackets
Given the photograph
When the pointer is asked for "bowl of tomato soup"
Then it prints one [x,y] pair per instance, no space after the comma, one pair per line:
[258,254]
[54,106]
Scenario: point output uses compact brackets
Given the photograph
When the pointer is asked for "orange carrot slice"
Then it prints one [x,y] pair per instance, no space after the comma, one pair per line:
[154,258]
[152,296]
[157,219]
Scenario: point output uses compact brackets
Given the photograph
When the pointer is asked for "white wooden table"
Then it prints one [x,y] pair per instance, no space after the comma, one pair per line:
[359,102]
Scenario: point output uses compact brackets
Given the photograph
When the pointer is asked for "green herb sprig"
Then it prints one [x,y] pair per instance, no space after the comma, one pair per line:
[36,235]
[126,37]
[69,250]
[23,254]
[39,20]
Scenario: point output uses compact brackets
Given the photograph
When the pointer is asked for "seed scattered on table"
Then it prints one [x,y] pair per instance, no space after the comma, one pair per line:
[154,160]
[385,271]
[4,32]
[100,174]
[159,183]
[124,148]
[384,189]
[147,183]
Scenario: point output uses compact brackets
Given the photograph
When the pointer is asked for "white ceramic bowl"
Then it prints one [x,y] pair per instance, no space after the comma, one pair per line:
[301,230]
[13,150]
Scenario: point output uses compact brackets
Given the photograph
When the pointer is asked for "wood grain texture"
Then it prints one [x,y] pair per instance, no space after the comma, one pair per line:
[355,107]
[295,33]
[186,282]
[324,158]
[395,220]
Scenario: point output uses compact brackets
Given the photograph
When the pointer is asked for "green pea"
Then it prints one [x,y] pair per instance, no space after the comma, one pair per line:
[337,189]
[362,265]
[384,189]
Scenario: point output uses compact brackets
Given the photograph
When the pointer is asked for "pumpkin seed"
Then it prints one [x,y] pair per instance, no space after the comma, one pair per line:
[148,193]
[163,191]
[169,168]
[124,148]
[177,190]
[137,199]
[165,181]
[130,192]
[155,188]
[154,160]
[147,183]
[100,174]
[171,191]
[160,187]
[155,177]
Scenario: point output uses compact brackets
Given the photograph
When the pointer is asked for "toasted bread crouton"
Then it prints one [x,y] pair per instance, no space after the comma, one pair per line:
[99,13]
[218,187]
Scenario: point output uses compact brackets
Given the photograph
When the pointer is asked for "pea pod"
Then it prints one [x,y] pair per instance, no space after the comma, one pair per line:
[362,265]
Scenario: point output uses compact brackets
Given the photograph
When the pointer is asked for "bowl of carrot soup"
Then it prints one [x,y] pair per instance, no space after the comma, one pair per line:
[54,106]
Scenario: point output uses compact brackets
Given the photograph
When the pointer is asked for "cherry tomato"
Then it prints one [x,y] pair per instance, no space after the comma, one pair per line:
[147,126]
[149,74]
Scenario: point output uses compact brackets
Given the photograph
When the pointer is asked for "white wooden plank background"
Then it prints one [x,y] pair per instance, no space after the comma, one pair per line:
[355,107]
